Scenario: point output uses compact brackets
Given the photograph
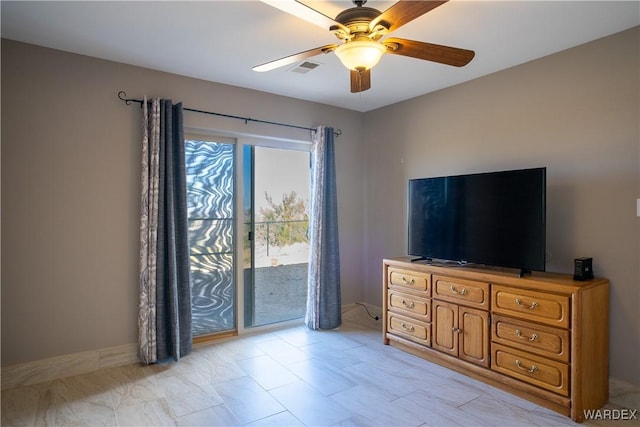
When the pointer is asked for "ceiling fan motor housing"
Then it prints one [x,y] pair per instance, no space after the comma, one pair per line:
[357,20]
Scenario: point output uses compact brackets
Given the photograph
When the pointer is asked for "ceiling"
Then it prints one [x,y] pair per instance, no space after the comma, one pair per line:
[220,41]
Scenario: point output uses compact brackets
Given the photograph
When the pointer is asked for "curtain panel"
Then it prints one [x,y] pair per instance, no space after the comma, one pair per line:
[164,315]
[324,302]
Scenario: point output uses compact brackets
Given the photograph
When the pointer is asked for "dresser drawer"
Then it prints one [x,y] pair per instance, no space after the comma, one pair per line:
[466,292]
[531,337]
[531,305]
[410,305]
[410,281]
[409,328]
[538,371]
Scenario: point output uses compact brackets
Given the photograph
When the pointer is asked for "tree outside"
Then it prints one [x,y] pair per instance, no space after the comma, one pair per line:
[283,223]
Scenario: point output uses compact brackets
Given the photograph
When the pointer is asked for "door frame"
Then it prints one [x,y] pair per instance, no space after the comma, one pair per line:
[241,139]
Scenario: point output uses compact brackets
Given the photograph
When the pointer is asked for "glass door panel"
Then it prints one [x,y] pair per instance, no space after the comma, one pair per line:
[211,213]
[278,252]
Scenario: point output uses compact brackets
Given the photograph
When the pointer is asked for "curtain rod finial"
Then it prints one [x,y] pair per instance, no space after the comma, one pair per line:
[122,95]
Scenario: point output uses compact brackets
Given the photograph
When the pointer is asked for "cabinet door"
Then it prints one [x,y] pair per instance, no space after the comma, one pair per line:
[474,336]
[445,327]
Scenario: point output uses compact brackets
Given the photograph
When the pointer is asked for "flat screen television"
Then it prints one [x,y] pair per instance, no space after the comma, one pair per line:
[494,219]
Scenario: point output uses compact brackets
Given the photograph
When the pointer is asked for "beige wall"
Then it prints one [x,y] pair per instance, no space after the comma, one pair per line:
[70,172]
[578,114]
[70,168]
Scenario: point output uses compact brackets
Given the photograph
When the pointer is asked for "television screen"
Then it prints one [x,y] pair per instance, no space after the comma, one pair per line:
[496,218]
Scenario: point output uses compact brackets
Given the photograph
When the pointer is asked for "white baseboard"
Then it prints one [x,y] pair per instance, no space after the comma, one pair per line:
[67,365]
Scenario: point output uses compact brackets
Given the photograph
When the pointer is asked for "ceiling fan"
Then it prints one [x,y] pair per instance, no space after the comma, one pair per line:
[360,29]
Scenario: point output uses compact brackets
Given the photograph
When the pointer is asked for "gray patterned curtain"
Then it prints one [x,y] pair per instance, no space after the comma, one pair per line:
[323,296]
[164,316]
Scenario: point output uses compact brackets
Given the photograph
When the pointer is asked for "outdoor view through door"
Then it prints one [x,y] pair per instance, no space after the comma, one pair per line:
[277,219]
[275,202]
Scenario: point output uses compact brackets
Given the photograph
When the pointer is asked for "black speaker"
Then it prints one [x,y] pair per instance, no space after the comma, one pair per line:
[583,269]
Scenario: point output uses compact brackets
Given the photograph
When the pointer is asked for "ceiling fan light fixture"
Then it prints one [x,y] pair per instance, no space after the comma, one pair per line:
[360,55]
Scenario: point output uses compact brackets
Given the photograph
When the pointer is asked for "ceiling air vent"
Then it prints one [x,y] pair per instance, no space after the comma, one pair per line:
[305,67]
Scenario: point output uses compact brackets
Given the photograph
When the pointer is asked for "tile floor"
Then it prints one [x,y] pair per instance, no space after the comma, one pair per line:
[289,377]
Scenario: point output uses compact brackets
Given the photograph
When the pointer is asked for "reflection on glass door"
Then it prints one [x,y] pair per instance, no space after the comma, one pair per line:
[211,213]
[277,252]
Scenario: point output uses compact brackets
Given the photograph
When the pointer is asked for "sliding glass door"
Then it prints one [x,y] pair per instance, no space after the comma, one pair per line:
[277,247]
[210,170]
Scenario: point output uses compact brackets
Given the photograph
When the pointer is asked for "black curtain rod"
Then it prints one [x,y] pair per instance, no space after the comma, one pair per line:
[123,97]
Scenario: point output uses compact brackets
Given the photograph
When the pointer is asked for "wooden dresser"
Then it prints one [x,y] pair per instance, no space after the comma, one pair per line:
[544,337]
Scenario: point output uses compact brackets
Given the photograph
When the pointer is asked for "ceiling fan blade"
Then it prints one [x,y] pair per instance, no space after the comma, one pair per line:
[429,51]
[302,11]
[403,12]
[360,80]
[291,59]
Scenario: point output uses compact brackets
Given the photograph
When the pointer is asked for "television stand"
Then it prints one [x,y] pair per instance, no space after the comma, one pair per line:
[420,259]
[543,337]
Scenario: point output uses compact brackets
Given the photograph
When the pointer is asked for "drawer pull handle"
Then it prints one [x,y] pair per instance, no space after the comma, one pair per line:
[530,307]
[531,370]
[410,305]
[461,292]
[407,328]
[408,282]
[532,338]
[456,330]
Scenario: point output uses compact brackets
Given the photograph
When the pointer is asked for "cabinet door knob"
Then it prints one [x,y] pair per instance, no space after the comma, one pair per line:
[531,370]
[530,306]
[456,330]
